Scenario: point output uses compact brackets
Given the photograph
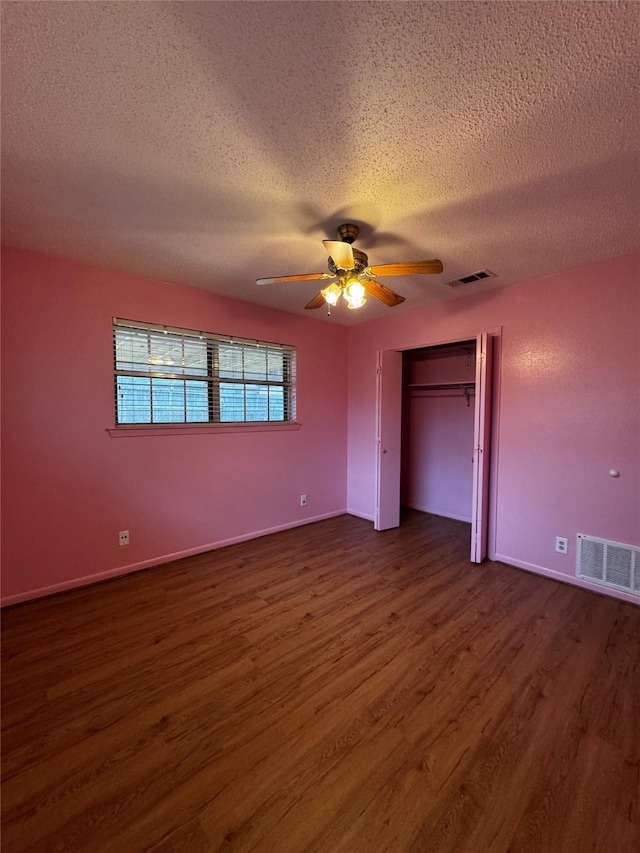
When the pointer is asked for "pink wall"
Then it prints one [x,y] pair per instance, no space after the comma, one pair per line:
[437,456]
[567,406]
[68,487]
[567,410]
[437,438]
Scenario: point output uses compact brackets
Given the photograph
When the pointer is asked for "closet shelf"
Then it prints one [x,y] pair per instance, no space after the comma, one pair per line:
[466,388]
[439,386]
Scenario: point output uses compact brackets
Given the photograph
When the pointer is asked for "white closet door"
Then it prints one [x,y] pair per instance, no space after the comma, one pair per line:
[481,439]
[389,431]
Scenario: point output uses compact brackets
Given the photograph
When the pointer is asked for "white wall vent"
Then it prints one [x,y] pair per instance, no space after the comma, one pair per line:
[469,279]
[608,563]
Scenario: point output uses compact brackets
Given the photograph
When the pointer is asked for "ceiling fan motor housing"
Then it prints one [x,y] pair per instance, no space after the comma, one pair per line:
[348,232]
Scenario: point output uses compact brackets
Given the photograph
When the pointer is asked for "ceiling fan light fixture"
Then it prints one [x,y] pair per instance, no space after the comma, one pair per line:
[353,277]
[332,293]
[354,301]
[354,291]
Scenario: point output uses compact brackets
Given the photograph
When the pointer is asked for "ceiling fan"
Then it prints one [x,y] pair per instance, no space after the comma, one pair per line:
[351,275]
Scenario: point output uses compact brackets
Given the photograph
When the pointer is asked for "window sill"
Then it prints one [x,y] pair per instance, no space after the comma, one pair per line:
[197,429]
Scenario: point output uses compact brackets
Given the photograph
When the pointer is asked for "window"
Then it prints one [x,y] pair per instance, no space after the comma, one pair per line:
[177,376]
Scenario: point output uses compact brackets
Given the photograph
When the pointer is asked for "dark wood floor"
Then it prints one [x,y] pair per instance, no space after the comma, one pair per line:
[324,689]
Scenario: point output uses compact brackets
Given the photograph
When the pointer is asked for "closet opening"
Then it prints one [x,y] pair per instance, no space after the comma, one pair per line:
[438,408]
[433,417]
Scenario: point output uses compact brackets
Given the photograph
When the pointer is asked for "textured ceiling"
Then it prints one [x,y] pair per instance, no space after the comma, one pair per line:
[210,144]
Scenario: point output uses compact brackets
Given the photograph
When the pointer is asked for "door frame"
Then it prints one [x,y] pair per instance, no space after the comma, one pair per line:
[496,334]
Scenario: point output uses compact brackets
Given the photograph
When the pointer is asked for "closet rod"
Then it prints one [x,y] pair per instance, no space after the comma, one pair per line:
[465,391]
[440,385]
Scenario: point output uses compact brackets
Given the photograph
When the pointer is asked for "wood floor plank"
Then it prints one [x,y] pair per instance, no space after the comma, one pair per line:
[328,688]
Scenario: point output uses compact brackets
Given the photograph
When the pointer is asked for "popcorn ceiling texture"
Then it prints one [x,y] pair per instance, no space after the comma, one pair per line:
[210,144]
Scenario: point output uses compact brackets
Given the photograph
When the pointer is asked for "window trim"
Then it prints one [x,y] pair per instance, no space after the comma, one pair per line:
[138,430]
[214,382]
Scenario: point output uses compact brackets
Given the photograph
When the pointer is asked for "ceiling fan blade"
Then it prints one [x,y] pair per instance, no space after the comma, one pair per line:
[316,302]
[312,276]
[342,253]
[409,268]
[381,292]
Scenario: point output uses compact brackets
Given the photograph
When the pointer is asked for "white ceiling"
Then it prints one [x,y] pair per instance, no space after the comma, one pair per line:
[210,144]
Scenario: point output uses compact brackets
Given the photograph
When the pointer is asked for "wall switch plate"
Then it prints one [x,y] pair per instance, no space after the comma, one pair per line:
[562,545]
[303,500]
[123,537]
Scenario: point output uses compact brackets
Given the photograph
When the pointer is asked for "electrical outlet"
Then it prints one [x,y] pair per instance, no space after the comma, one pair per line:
[123,537]
[562,545]
[303,500]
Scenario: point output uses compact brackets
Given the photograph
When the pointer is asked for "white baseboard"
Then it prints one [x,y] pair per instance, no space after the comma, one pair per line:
[570,579]
[87,580]
[364,515]
[433,511]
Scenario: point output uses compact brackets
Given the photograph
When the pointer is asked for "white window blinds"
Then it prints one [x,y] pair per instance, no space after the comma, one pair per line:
[167,375]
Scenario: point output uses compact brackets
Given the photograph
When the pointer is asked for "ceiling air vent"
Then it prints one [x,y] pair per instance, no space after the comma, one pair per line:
[469,279]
